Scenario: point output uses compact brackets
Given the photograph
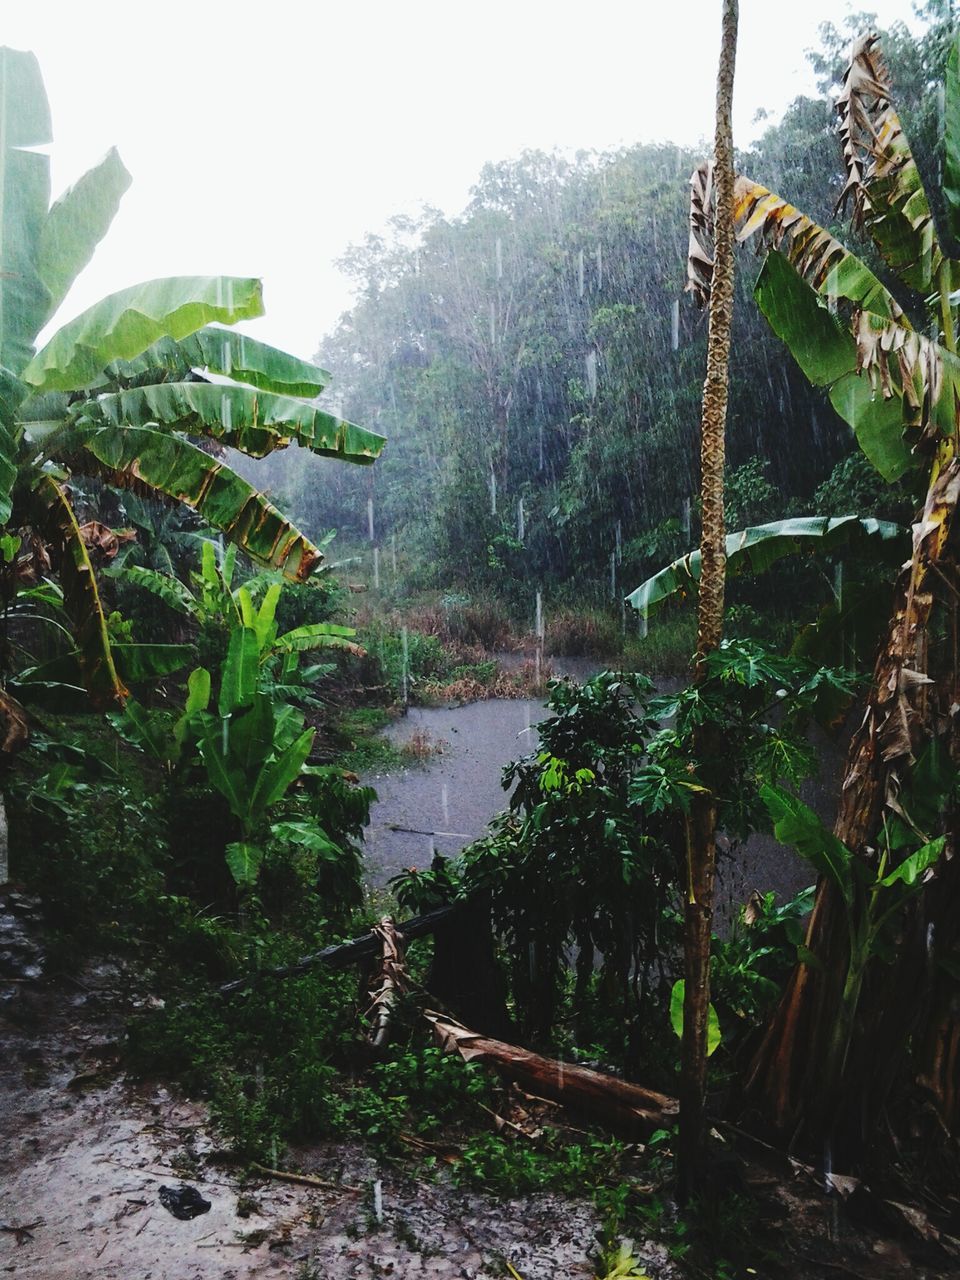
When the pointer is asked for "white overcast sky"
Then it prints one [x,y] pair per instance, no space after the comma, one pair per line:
[265,138]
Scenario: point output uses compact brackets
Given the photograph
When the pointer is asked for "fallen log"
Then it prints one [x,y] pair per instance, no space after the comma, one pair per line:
[340,955]
[627,1108]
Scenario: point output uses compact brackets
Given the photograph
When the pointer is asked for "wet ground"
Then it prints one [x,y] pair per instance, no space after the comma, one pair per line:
[87,1151]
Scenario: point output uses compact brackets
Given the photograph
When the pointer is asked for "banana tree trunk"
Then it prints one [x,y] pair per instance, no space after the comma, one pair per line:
[702,824]
[790,1079]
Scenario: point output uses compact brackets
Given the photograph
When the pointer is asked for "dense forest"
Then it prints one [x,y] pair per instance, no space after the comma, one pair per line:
[536,367]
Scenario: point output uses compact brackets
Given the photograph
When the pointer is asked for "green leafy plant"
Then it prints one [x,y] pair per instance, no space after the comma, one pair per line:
[872,896]
[117,392]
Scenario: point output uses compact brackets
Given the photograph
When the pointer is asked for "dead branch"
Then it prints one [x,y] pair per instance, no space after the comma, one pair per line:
[388,985]
[305,1179]
[343,954]
[625,1107]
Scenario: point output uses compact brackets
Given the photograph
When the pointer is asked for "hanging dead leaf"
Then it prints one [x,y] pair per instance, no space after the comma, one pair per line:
[753,909]
[103,540]
[14,727]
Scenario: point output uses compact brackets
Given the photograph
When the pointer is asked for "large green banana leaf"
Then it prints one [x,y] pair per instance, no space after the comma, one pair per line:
[317,635]
[24,200]
[238,685]
[134,663]
[232,354]
[883,376]
[754,550]
[277,775]
[77,223]
[826,265]
[169,589]
[138,662]
[255,422]
[124,324]
[11,394]
[878,376]
[129,457]
[882,176]
[81,598]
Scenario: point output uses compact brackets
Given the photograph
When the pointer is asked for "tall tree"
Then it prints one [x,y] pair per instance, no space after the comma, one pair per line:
[702,822]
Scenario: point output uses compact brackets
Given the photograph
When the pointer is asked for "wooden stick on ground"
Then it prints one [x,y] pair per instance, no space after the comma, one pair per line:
[305,1179]
[625,1107]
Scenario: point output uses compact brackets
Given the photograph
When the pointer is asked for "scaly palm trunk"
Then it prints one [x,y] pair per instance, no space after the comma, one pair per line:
[702,823]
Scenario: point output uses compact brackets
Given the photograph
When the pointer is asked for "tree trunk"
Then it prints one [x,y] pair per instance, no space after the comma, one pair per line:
[702,824]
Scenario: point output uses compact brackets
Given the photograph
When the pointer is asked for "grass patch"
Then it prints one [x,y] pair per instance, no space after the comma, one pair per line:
[667,647]
[587,633]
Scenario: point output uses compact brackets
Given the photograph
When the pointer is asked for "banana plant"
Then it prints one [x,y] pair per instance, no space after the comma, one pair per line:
[888,362]
[253,749]
[213,602]
[871,895]
[121,391]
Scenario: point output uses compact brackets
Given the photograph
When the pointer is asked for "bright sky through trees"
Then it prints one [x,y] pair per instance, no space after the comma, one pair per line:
[263,139]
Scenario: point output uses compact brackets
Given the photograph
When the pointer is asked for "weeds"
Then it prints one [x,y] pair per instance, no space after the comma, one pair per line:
[420,746]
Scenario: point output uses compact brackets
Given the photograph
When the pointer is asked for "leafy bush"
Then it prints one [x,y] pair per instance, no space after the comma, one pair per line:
[584,862]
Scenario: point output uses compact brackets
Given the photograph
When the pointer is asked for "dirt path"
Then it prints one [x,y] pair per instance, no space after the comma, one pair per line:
[87,1151]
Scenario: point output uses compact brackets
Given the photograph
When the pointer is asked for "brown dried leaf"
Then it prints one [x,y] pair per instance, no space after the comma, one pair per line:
[753,908]
[883,182]
[98,537]
[14,727]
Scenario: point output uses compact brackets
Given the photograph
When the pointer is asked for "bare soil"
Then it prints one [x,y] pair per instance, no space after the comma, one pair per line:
[87,1151]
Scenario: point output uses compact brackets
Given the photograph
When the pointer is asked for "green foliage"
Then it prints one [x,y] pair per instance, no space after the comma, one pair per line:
[750,964]
[69,409]
[584,859]
[512,1169]
[871,895]
[714,1034]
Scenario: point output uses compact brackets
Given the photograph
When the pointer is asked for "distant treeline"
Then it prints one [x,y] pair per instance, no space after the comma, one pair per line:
[537,368]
